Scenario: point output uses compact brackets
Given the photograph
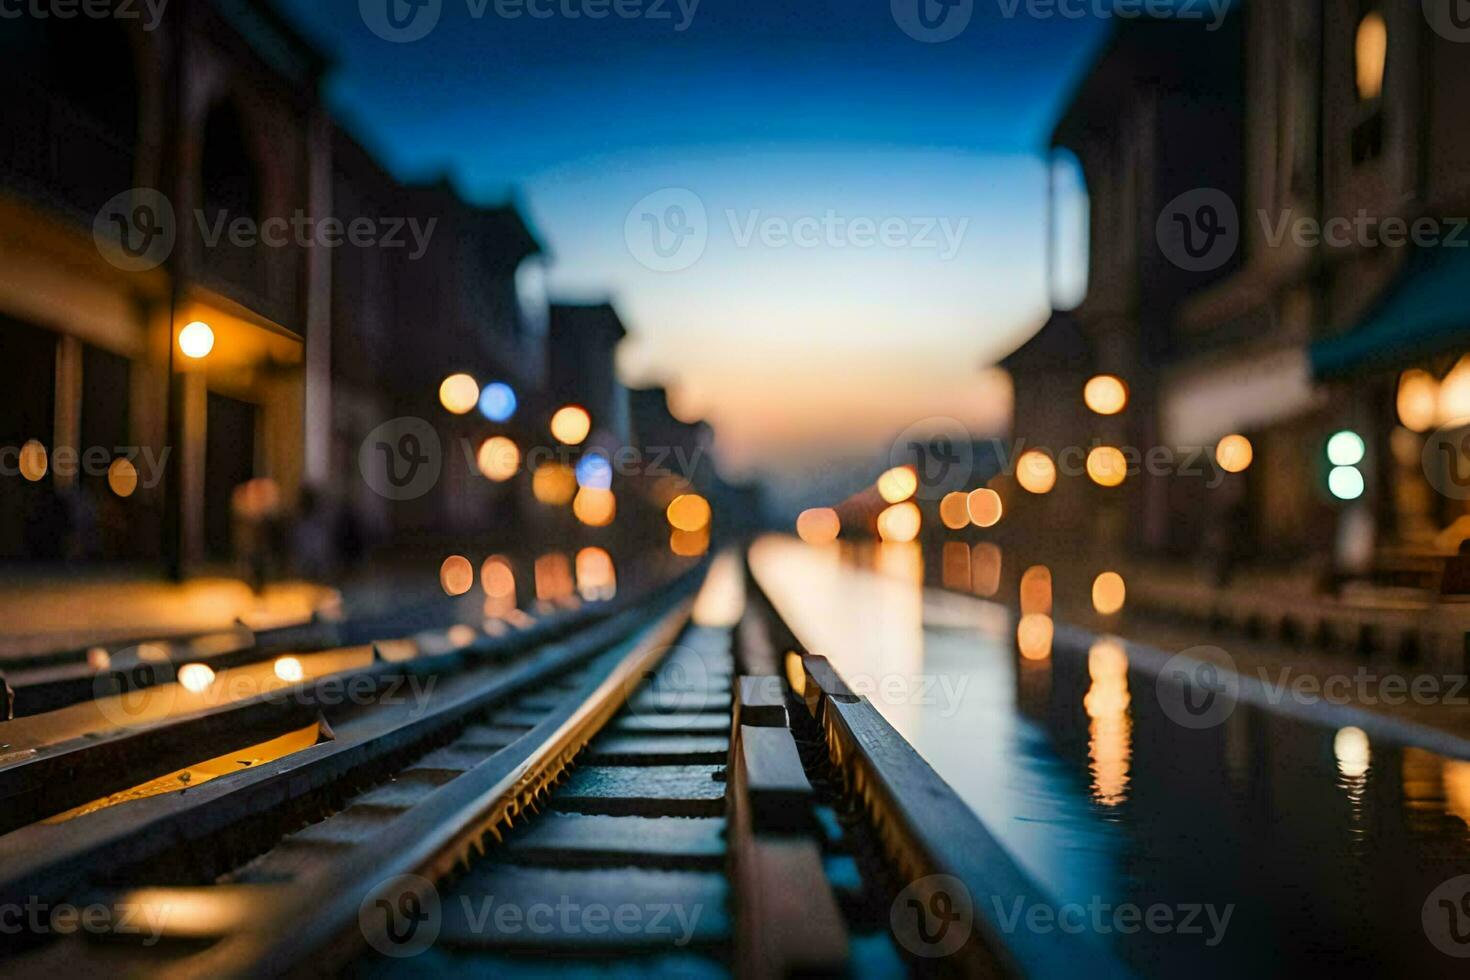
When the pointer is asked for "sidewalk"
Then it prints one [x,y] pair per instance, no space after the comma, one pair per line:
[43,615]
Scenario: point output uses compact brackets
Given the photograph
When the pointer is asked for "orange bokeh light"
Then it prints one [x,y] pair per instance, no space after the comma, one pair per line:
[819,525]
[571,424]
[984,507]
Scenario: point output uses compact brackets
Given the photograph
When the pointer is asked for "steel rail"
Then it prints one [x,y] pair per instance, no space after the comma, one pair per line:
[308,929]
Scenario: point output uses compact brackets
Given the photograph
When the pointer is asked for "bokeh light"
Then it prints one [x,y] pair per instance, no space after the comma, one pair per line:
[196,678]
[985,569]
[571,425]
[1234,453]
[554,577]
[1109,592]
[819,525]
[498,578]
[1345,482]
[594,472]
[33,461]
[1418,400]
[1106,394]
[1354,753]
[554,483]
[955,566]
[689,544]
[459,393]
[898,484]
[498,402]
[122,477]
[1036,590]
[196,340]
[689,512]
[596,576]
[456,575]
[1035,472]
[1346,448]
[595,508]
[1107,466]
[900,523]
[289,669]
[954,512]
[984,507]
[1453,404]
[499,459]
[1034,635]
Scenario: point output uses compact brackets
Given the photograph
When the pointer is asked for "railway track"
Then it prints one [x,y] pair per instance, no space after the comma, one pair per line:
[634,790]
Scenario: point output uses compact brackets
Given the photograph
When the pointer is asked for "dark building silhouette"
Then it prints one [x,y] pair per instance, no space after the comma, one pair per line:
[581,364]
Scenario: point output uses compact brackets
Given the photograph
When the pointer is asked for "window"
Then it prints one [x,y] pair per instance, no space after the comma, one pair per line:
[1370,60]
[1372,55]
[1070,231]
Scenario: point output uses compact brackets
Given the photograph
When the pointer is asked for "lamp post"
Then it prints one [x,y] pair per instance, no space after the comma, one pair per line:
[194,341]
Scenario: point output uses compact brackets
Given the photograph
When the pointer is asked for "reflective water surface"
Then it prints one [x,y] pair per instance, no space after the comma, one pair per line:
[1274,846]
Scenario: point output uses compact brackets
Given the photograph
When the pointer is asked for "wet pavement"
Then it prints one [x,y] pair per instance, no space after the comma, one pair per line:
[1257,843]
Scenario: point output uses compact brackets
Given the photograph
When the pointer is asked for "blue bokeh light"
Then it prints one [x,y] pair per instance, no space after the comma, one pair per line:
[594,472]
[498,402]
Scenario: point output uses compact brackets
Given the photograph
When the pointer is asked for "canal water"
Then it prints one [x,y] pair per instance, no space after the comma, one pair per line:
[1262,844]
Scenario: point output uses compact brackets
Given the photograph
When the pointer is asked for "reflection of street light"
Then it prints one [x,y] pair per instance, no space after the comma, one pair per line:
[196,340]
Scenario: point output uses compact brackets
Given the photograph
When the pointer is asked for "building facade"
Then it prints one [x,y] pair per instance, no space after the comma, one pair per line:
[215,113]
[1304,140]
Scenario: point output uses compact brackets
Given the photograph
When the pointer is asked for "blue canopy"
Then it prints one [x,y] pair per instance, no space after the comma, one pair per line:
[1426,312]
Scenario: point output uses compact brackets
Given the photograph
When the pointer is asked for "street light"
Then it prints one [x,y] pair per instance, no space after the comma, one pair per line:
[196,340]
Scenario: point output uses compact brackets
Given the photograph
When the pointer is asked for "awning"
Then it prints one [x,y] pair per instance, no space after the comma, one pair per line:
[1425,312]
[1199,405]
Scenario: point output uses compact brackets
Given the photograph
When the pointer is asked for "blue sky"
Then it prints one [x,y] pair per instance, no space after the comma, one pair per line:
[769,112]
